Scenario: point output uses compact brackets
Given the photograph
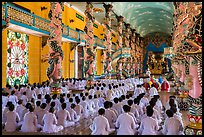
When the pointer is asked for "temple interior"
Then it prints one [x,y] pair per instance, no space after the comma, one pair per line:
[101,51]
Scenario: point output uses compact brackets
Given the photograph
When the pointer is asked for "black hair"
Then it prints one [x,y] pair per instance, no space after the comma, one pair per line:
[52,109]
[68,95]
[115,100]
[86,94]
[173,109]
[127,96]
[63,105]
[130,102]
[24,93]
[84,98]
[73,106]
[120,99]
[110,104]
[62,100]
[95,96]
[71,100]
[101,111]
[101,88]
[81,94]
[38,103]
[39,96]
[52,104]
[149,111]
[123,97]
[11,107]
[28,105]
[54,96]
[152,103]
[77,101]
[97,88]
[169,113]
[136,101]
[20,101]
[31,108]
[90,96]
[126,108]
[43,105]
[106,104]
[12,92]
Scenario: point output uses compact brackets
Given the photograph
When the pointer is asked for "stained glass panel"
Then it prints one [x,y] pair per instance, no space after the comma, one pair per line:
[17,58]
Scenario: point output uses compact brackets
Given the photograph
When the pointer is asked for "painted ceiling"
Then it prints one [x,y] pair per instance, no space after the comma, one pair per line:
[145,17]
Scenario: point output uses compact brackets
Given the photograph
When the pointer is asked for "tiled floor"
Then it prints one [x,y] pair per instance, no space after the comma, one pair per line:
[82,128]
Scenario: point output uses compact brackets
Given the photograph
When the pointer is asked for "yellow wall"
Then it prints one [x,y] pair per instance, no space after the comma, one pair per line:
[99,65]
[44,65]
[71,71]
[34,56]
[4,56]
[65,62]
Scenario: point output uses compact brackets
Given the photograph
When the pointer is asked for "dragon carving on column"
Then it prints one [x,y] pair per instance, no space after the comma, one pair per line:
[89,58]
[108,43]
[54,71]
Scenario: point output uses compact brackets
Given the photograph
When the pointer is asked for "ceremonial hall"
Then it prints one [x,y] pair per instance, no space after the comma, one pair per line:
[102,68]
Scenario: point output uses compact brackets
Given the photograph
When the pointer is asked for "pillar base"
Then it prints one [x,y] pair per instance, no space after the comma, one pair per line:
[56,91]
[192,130]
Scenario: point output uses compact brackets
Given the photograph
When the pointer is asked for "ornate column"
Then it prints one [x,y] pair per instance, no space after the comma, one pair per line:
[54,71]
[120,43]
[132,45]
[120,31]
[89,57]
[108,43]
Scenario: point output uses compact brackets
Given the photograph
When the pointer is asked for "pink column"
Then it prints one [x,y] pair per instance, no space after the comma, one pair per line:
[54,71]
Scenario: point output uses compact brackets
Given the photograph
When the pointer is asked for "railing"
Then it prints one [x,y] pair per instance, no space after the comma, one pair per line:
[3,13]
[18,15]
[42,23]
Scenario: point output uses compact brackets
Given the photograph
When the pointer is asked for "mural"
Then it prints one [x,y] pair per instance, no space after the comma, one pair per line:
[17,58]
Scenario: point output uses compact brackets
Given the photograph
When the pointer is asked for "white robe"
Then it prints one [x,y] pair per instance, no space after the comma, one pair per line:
[11,124]
[40,114]
[100,126]
[13,99]
[111,116]
[74,116]
[50,122]
[85,108]
[153,91]
[25,99]
[148,126]
[5,99]
[19,110]
[29,123]
[118,107]
[172,126]
[126,124]
[64,118]
[91,106]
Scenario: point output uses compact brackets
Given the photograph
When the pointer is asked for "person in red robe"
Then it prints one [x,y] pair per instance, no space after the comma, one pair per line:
[165,86]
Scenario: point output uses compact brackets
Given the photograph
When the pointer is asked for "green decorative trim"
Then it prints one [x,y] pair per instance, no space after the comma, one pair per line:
[80,17]
[95,25]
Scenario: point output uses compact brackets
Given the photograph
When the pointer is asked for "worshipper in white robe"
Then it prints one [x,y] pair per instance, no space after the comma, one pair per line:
[4,112]
[134,111]
[13,98]
[57,102]
[5,99]
[177,114]
[19,109]
[110,93]
[91,91]
[158,105]
[29,123]
[149,125]
[110,114]
[85,107]
[96,103]
[37,106]
[156,113]
[79,108]
[144,99]
[12,119]
[138,91]
[153,91]
[101,101]
[172,100]
[100,125]
[138,107]
[90,105]
[24,98]
[40,114]
[125,123]
[74,117]
[63,117]
[172,126]
[50,122]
